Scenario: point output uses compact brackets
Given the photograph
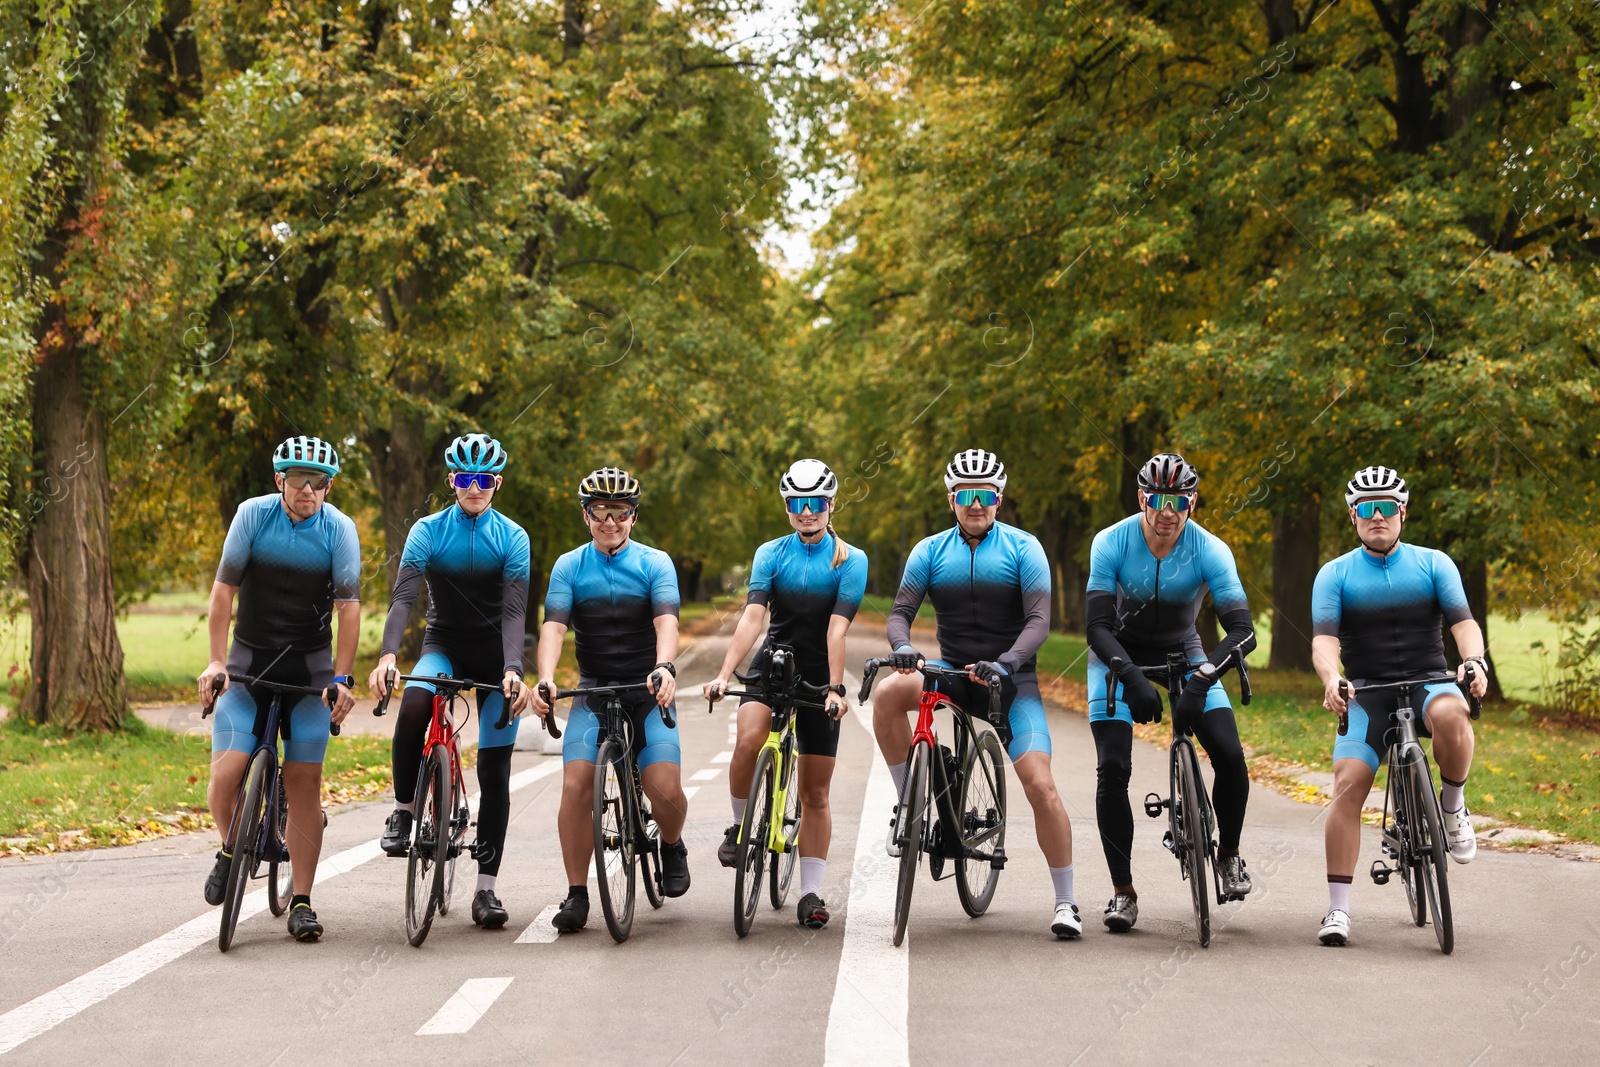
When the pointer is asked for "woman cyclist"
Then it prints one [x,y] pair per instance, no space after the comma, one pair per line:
[475,561]
[811,583]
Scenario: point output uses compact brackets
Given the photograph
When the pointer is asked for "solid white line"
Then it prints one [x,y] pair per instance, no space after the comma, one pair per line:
[49,1010]
[867,1020]
[540,932]
[705,776]
[722,757]
[465,1007]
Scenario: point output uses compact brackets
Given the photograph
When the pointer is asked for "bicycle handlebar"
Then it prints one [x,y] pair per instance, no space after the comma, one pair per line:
[1178,667]
[606,691]
[869,671]
[328,694]
[1347,691]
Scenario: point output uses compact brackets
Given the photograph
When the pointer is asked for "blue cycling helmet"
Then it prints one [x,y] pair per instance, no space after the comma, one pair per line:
[306,452]
[475,453]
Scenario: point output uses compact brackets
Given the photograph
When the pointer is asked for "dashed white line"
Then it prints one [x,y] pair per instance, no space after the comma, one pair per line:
[704,776]
[540,932]
[690,790]
[722,757]
[465,1007]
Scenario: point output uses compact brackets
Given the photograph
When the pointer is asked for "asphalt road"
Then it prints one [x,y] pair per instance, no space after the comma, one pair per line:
[110,956]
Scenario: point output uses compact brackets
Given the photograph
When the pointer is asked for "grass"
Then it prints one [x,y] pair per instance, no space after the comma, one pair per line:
[61,792]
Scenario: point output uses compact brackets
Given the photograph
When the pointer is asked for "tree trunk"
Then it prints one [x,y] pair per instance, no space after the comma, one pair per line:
[689,571]
[77,680]
[1475,581]
[402,457]
[1059,533]
[1294,569]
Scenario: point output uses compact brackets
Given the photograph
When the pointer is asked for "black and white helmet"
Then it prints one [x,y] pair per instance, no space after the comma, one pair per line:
[808,477]
[1168,472]
[609,483]
[975,465]
[1376,482]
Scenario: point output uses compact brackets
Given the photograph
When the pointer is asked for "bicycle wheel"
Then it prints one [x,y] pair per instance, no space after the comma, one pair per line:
[1430,852]
[429,843]
[1404,803]
[460,822]
[615,844]
[981,807]
[913,823]
[754,830]
[248,822]
[280,878]
[783,863]
[649,853]
[1188,835]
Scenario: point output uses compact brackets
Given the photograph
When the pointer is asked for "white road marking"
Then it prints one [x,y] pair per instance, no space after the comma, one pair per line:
[465,1007]
[722,757]
[706,775]
[867,1021]
[540,932]
[690,790]
[49,1010]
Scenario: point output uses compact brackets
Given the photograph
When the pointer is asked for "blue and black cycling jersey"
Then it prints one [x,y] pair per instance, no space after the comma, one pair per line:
[1142,608]
[611,603]
[1386,610]
[802,591]
[477,570]
[991,601]
[289,574]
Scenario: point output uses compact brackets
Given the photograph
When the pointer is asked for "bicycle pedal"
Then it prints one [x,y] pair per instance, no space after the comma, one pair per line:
[1381,873]
[998,860]
[1154,805]
[1166,841]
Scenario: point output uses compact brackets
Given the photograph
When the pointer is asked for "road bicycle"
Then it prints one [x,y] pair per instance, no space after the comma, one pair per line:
[626,837]
[1413,824]
[1191,834]
[440,814]
[261,811]
[771,820]
[964,789]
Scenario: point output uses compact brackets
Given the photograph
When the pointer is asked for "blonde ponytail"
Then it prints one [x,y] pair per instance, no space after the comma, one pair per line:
[841,551]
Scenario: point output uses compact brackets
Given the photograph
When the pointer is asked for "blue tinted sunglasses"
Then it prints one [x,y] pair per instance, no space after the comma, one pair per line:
[1387,508]
[965,498]
[1176,501]
[465,480]
[797,504]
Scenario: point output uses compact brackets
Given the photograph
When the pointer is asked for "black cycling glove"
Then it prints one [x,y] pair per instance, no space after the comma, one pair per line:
[989,673]
[1191,703]
[1144,702]
[905,658]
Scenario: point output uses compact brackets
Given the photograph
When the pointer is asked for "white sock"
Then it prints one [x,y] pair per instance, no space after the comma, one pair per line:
[486,881]
[1450,798]
[811,870]
[897,771]
[739,804]
[1062,877]
[1339,897]
[403,805]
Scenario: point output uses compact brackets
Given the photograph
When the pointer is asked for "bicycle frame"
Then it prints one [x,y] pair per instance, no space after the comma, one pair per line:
[268,743]
[780,734]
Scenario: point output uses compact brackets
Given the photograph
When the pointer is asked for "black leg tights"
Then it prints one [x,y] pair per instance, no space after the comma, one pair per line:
[410,734]
[1219,736]
[494,809]
[1113,745]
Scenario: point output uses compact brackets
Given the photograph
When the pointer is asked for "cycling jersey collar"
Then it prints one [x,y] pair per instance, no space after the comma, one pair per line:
[462,516]
[612,555]
[967,538]
[825,541]
[1384,561]
[294,523]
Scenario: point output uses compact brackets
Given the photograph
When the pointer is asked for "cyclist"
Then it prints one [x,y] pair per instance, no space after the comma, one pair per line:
[621,600]
[1147,577]
[811,582]
[294,560]
[475,561]
[1378,607]
[990,587]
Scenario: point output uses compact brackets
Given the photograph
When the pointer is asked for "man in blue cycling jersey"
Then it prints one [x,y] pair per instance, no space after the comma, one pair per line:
[990,586]
[621,600]
[1147,577]
[1379,608]
[811,582]
[293,560]
[475,561]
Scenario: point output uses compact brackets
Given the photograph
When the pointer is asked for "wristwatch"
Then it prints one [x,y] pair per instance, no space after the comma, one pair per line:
[839,689]
[346,680]
[1207,671]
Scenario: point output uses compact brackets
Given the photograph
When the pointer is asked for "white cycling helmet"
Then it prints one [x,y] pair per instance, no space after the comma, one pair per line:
[1371,482]
[808,477]
[975,465]
[306,452]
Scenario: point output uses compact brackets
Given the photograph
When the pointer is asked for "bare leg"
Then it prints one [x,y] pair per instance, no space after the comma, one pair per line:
[816,822]
[1050,821]
[302,783]
[575,822]
[663,784]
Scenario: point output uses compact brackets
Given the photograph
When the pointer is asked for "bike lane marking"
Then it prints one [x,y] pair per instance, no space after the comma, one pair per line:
[50,1009]
[867,1021]
[465,1007]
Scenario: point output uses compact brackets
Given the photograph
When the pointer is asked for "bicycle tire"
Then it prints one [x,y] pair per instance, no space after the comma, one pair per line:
[1431,856]
[754,830]
[615,841]
[781,873]
[650,854]
[248,822]
[1189,826]
[459,824]
[914,802]
[983,786]
[424,872]
[1405,808]
[280,872]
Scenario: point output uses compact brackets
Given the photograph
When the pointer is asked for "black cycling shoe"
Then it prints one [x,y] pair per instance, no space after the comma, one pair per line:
[303,923]
[813,912]
[397,834]
[217,880]
[1121,913]
[573,916]
[674,868]
[1235,879]
[487,911]
[728,851]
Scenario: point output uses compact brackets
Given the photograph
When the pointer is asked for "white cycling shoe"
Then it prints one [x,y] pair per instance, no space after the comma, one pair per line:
[1335,928]
[1067,925]
[1462,838]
